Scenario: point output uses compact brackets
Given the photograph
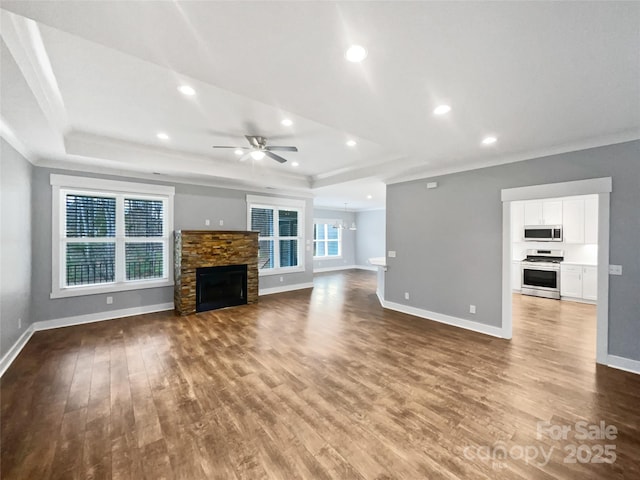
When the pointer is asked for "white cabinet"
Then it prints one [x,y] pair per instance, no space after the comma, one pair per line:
[591,220]
[571,281]
[579,281]
[517,221]
[573,229]
[533,213]
[543,212]
[590,283]
[516,276]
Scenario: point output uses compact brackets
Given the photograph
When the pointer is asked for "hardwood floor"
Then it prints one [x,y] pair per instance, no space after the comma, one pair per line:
[320,384]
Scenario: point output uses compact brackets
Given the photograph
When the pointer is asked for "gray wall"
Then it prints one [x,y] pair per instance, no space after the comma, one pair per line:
[348,238]
[15,245]
[370,235]
[449,240]
[192,206]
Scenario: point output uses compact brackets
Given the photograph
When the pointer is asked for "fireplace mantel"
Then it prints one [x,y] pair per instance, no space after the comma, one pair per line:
[212,248]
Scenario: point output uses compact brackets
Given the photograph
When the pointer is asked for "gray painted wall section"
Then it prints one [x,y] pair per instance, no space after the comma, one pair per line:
[15,245]
[192,206]
[348,239]
[370,236]
[449,240]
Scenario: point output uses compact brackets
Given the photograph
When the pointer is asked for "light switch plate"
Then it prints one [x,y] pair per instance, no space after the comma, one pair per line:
[392,254]
[615,269]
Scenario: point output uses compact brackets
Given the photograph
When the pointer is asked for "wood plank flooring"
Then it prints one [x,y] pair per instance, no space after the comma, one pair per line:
[314,384]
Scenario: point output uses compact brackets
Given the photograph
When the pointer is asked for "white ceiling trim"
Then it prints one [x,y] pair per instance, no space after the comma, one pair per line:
[10,137]
[22,37]
[622,137]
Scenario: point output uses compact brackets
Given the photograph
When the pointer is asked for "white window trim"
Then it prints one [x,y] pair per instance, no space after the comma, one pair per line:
[327,221]
[275,203]
[67,183]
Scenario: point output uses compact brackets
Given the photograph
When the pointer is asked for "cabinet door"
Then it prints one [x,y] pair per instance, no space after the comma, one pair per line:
[571,281]
[517,222]
[573,221]
[552,212]
[590,283]
[516,276]
[533,213]
[591,220]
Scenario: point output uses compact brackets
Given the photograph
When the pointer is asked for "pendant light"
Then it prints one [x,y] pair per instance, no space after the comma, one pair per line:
[341,225]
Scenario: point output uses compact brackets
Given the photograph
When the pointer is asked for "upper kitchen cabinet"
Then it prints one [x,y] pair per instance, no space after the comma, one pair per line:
[543,212]
[573,228]
[591,219]
[580,220]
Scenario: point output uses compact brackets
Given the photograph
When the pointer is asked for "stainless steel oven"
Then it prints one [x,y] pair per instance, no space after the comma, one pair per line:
[541,273]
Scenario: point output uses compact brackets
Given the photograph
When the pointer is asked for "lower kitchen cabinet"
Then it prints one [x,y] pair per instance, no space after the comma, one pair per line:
[579,281]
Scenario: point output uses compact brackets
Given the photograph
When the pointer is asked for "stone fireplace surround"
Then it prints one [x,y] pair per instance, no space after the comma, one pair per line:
[194,249]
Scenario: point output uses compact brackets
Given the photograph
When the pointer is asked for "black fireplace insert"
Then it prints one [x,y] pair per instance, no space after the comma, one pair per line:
[219,287]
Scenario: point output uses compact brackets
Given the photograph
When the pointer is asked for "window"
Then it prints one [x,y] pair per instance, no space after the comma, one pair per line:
[327,240]
[109,236]
[280,226]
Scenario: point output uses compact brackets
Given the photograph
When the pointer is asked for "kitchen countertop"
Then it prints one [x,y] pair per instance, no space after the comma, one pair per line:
[378,261]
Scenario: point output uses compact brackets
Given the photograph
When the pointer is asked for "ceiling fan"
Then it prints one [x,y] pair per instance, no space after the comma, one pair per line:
[259,149]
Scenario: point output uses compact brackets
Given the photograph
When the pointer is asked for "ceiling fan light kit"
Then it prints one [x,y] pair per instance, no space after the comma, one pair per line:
[342,225]
[259,149]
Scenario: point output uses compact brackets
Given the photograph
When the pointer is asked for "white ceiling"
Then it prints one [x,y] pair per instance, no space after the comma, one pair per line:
[89,84]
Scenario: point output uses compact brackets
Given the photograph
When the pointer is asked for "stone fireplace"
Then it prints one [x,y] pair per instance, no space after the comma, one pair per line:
[196,283]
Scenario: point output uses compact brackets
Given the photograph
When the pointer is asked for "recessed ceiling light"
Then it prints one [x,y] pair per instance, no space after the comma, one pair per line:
[355,53]
[295,164]
[187,90]
[286,122]
[238,152]
[369,197]
[489,140]
[162,136]
[257,155]
[441,109]
[351,143]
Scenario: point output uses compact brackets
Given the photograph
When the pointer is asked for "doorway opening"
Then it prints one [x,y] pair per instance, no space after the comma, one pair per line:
[600,187]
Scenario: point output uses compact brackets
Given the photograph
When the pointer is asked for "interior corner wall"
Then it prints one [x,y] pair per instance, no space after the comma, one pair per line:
[192,206]
[370,236]
[450,254]
[348,257]
[15,245]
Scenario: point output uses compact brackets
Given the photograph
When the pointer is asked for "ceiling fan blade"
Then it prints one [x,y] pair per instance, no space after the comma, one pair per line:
[276,148]
[275,157]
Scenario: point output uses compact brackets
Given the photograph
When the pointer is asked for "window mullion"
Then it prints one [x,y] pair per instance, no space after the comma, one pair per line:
[120,240]
[276,238]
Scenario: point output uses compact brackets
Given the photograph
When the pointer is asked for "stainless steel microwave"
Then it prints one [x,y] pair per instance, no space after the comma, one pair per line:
[543,233]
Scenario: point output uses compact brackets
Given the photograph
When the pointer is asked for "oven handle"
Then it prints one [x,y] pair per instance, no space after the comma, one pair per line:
[545,269]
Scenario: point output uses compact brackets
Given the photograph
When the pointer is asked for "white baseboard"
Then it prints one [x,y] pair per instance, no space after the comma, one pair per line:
[15,350]
[284,288]
[333,269]
[100,316]
[371,268]
[345,267]
[442,318]
[622,363]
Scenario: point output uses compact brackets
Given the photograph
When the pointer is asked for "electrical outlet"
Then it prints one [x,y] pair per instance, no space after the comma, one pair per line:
[406,295]
[282,279]
[19,323]
[207,222]
[221,223]
[109,300]
[472,309]
[615,269]
[392,254]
